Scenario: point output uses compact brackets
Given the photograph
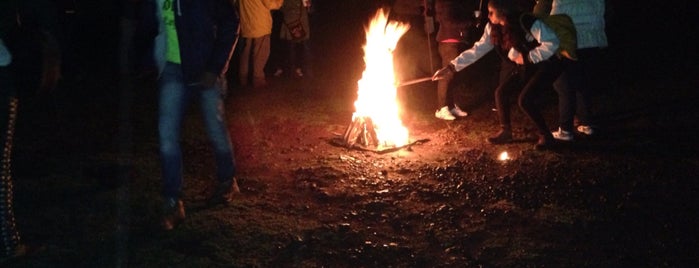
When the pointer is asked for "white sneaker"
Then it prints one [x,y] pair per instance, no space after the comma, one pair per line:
[456,111]
[562,135]
[444,114]
[299,73]
[587,130]
[279,72]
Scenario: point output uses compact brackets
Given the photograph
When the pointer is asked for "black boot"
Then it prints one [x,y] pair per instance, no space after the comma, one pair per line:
[502,137]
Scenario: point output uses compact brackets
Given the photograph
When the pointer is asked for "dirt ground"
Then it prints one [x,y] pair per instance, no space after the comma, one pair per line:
[87,177]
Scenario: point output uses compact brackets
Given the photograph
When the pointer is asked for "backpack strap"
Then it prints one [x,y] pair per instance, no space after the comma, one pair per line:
[526,20]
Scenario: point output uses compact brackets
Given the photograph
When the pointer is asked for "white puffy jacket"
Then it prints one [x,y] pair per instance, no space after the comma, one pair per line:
[588,17]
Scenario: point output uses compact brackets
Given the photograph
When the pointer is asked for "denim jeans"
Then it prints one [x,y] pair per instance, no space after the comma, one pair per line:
[175,96]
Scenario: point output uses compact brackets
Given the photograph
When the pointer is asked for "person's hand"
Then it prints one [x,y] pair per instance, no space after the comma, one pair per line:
[207,80]
[444,73]
[519,59]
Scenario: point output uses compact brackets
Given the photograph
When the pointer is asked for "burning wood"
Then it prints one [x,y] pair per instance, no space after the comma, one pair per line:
[361,132]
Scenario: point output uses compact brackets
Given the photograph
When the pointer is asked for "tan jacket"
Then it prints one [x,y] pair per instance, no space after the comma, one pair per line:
[256,17]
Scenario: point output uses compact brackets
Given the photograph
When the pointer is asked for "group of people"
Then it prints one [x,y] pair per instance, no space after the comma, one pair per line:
[257,22]
[530,64]
[194,42]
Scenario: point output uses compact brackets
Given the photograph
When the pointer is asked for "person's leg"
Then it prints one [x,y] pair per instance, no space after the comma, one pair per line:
[244,66]
[566,97]
[509,80]
[588,63]
[213,113]
[283,60]
[306,58]
[447,52]
[544,74]
[172,105]
[260,54]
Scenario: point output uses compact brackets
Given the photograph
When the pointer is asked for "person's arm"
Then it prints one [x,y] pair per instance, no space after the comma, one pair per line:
[548,42]
[227,23]
[466,58]
[477,51]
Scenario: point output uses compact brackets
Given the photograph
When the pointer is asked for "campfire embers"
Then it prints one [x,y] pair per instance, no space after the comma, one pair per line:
[376,124]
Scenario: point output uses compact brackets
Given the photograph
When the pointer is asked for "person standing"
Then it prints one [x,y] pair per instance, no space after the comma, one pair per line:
[255,28]
[455,23]
[294,33]
[575,85]
[527,48]
[194,42]
[30,60]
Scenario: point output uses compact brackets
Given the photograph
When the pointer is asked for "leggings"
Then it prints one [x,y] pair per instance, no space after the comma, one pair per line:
[529,80]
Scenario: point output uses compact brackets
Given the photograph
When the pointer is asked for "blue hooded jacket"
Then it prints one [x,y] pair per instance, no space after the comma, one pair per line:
[207,32]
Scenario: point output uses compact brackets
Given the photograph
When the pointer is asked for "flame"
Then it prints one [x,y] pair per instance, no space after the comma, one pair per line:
[377,87]
[504,156]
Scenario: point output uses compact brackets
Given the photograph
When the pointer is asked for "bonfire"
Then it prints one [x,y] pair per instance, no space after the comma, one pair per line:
[376,123]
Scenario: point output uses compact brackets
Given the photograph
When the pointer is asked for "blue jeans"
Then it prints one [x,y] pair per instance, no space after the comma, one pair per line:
[175,96]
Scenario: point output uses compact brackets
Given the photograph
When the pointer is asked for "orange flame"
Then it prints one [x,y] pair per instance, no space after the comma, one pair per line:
[377,88]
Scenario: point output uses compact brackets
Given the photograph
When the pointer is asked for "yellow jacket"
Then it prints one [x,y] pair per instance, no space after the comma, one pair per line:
[256,17]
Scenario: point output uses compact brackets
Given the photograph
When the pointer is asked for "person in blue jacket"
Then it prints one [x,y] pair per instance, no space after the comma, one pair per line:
[194,42]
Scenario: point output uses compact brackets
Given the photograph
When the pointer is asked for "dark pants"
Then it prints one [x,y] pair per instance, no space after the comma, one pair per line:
[446,87]
[529,80]
[575,86]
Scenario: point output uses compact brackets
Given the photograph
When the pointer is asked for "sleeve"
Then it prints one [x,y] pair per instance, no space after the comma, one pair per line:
[477,51]
[226,36]
[548,42]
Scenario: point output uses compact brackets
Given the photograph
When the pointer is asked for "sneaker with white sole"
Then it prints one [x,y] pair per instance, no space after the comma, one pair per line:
[587,130]
[444,114]
[562,135]
[456,111]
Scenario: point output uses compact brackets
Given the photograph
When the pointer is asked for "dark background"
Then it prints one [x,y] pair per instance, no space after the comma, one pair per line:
[70,142]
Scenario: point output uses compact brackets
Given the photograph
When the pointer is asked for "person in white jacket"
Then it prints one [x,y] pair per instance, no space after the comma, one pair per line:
[527,48]
[574,86]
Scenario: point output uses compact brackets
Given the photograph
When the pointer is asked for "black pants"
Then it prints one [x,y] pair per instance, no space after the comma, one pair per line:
[529,81]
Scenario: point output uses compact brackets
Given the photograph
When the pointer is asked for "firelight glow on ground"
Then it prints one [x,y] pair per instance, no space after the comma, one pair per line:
[377,88]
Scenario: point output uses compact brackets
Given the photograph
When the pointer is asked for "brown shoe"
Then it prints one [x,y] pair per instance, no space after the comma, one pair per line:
[223,194]
[173,214]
